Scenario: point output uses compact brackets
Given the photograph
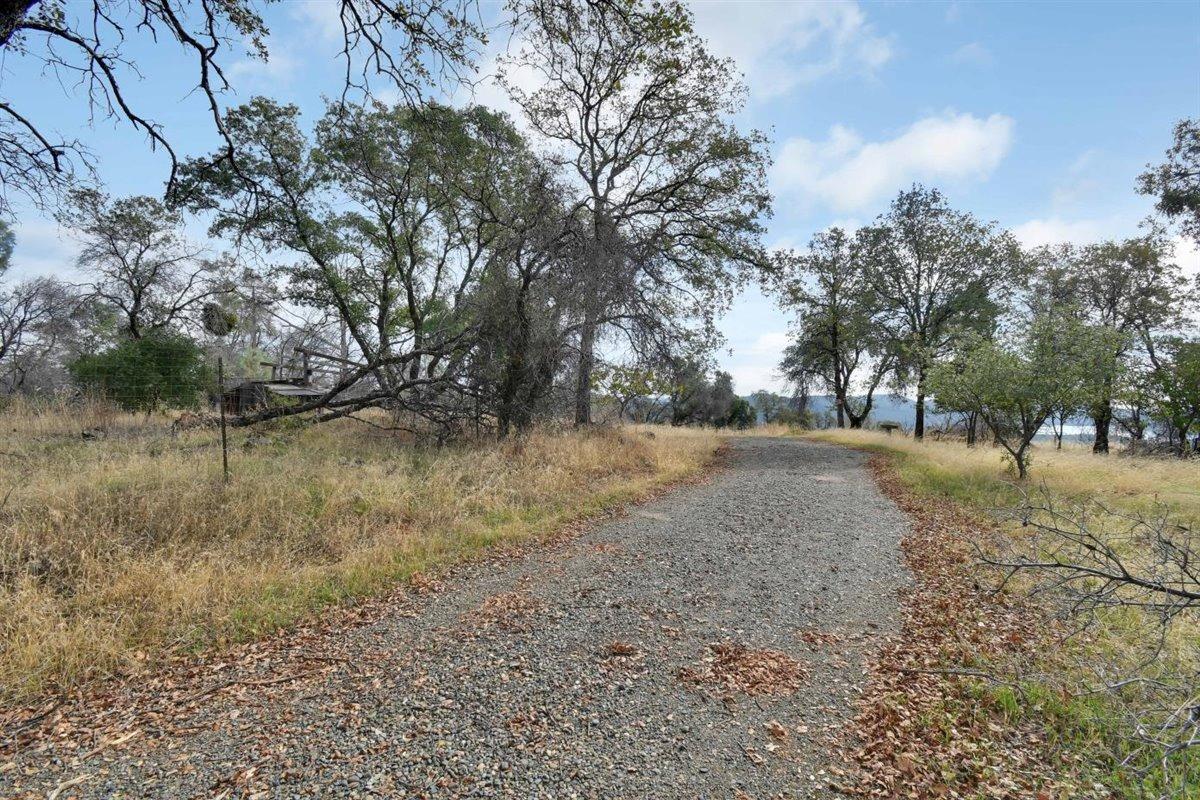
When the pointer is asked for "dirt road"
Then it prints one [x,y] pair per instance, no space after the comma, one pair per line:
[584,669]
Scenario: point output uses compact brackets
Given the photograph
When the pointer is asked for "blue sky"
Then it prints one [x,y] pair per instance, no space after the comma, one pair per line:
[1038,115]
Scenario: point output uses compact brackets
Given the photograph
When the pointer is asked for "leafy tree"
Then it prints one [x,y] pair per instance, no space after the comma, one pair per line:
[800,417]
[141,262]
[527,291]
[1131,287]
[1175,386]
[629,385]
[404,45]
[839,333]
[721,400]
[394,213]
[156,371]
[1014,384]
[741,414]
[770,405]
[694,399]
[939,275]
[8,241]
[1134,403]
[638,109]
[1176,182]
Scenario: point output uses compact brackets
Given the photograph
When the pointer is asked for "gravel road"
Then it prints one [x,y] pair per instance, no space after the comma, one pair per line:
[583,669]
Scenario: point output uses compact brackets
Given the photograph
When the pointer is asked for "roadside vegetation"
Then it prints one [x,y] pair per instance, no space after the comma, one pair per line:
[1104,670]
[1060,586]
[399,305]
[981,477]
[121,545]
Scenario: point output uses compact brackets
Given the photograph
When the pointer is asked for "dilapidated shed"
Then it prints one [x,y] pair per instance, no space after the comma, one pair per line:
[254,395]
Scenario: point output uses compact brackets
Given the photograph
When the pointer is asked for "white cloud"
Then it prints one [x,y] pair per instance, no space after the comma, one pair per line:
[749,378]
[1055,230]
[1079,185]
[850,174]
[972,53]
[770,343]
[777,45]
[755,365]
[848,224]
[279,67]
[321,16]
[782,45]
[1187,255]
[43,248]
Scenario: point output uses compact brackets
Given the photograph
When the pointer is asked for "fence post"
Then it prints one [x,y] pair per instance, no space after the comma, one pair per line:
[221,404]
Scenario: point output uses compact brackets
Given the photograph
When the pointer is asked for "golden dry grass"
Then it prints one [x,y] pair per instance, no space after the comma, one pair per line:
[979,476]
[123,544]
[1120,641]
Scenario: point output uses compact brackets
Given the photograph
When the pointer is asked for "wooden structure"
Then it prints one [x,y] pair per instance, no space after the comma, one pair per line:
[255,395]
[279,390]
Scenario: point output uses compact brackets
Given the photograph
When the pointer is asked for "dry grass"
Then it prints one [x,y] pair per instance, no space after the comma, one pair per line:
[1119,641]
[120,543]
[980,477]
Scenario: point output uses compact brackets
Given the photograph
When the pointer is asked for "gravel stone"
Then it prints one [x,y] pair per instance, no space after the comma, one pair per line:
[568,684]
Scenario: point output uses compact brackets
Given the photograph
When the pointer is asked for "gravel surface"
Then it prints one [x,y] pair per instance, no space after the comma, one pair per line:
[583,669]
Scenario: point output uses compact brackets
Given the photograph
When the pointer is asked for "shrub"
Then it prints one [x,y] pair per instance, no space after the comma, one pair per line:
[148,373]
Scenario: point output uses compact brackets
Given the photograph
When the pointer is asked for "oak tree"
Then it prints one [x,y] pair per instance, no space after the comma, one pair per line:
[638,111]
[939,275]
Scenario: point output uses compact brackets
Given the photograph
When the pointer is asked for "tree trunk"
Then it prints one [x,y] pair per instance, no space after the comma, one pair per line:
[1102,414]
[919,425]
[972,424]
[857,420]
[1022,465]
[587,360]
[839,402]
[1181,447]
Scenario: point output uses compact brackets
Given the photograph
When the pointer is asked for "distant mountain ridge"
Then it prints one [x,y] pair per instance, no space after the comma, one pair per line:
[887,408]
[884,408]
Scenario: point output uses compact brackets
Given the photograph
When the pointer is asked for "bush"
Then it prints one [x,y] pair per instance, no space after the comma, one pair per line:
[146,374]
[741,414]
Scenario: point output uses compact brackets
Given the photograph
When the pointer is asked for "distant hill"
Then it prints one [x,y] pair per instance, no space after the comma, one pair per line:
[884,408]
[904,411]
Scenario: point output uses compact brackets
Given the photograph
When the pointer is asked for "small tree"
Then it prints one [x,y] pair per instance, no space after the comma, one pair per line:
[1175,387]
[840,342]
[768,404]
[1015,385]
[741,414]
[141,262]
[721,400]
[156,371]
[629,386]
[940,275]
[1134,401]
[33,314]
[1131,286]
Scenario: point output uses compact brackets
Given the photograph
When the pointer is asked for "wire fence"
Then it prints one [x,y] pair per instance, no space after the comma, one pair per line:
[171,402]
